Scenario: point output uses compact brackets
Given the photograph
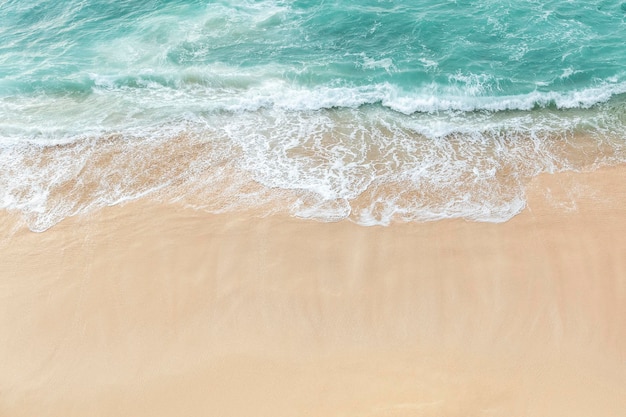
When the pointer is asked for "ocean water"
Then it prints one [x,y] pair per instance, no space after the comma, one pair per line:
[374,111]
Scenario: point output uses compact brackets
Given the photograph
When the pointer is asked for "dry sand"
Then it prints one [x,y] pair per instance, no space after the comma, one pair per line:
[152,310]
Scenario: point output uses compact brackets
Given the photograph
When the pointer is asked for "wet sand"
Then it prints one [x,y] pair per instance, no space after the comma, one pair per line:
[155,310]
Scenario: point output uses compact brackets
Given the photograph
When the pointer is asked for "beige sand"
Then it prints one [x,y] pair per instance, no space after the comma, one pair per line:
[148,310]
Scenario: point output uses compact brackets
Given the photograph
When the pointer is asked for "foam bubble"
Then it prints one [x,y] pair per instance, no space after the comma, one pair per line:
[274,93]
[150,100]
[383,63]
[367,164]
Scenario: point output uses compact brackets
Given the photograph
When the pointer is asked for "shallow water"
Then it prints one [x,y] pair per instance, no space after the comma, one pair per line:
[378,111]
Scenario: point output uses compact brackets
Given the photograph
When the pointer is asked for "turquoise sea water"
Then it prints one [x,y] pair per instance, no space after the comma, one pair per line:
[372,110]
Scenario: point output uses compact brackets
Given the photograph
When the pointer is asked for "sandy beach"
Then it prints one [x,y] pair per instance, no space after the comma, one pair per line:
[156,310]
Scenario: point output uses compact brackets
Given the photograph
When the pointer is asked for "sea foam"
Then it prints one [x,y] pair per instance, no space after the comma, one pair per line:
[407,112]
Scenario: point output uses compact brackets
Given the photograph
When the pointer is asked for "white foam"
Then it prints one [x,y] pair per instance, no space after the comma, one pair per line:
[429,64]
[278,94]
[112,106]
[433,99]
[367,164]
[383,63]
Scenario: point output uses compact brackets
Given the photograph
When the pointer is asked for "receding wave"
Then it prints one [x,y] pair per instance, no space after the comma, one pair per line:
[369,165]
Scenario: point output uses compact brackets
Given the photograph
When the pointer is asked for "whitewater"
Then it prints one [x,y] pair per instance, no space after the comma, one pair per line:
[373,111]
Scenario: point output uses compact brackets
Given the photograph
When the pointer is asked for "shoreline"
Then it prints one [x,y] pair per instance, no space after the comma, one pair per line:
[147,309]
